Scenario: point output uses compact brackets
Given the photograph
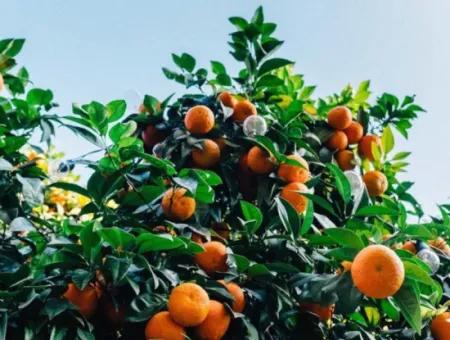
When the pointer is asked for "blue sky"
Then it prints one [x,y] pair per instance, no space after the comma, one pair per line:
[105,50]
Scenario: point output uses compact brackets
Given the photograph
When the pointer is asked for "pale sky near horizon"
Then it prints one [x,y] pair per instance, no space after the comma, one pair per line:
[103,50]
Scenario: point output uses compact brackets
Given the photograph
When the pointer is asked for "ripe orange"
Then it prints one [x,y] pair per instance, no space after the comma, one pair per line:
[377,271]
[208,156]
[216,323]
[292,194]
[2,83]
[337,141]
[323,312]
[410,246]
[86,300]
[227,99]
[199,120]
[345,159]
[440,244]
[365,146]
[214,258]
[259,161]
[440,326]
[354,132]
[376,182]
[238,295]
[152,136]
[294,173]
[340,118]
[242,110]
[188,304]
[176,205]
[161,326]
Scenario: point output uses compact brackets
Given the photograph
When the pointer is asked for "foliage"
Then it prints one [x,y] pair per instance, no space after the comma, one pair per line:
[134,255]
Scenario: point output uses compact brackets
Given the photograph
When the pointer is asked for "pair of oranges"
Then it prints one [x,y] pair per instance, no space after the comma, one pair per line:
[199,120]
[190,306]
[260,162]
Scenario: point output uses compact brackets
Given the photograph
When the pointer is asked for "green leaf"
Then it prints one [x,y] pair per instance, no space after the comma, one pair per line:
[320,201]
[268,80]
[252,216]
[39,97]
[289,216]
[415,272]
[122,130]
[376,210]
[117,268]
[151,242]
[185,61]
[341,181]
[387,140]
[239,22]
[115,110]
[345,237]
[273,64]
[308,218]
[217,67]
[116,237]
[408,299]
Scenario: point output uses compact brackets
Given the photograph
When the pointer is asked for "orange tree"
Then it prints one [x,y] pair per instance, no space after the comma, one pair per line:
[245,209]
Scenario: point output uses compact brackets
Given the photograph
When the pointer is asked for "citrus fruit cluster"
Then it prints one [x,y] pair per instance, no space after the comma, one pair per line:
[189,306]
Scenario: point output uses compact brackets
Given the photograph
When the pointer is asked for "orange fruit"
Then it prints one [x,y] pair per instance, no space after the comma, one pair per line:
[337,141]
[208,155]
[152,136]
[86,300]
[376,182]
[365,146]
[294,173]
[323,312]
[176,205]
[188,304]
[345,159]
[292,194]
[227,99]
[161,326]
[2,83]
[242,110]
[410,246]
[377,271]
[440,244]
[259,161]
[354,132]
[440,326]
[199,120]
[238,295]
[340,117]
[216,323]
[213,258]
